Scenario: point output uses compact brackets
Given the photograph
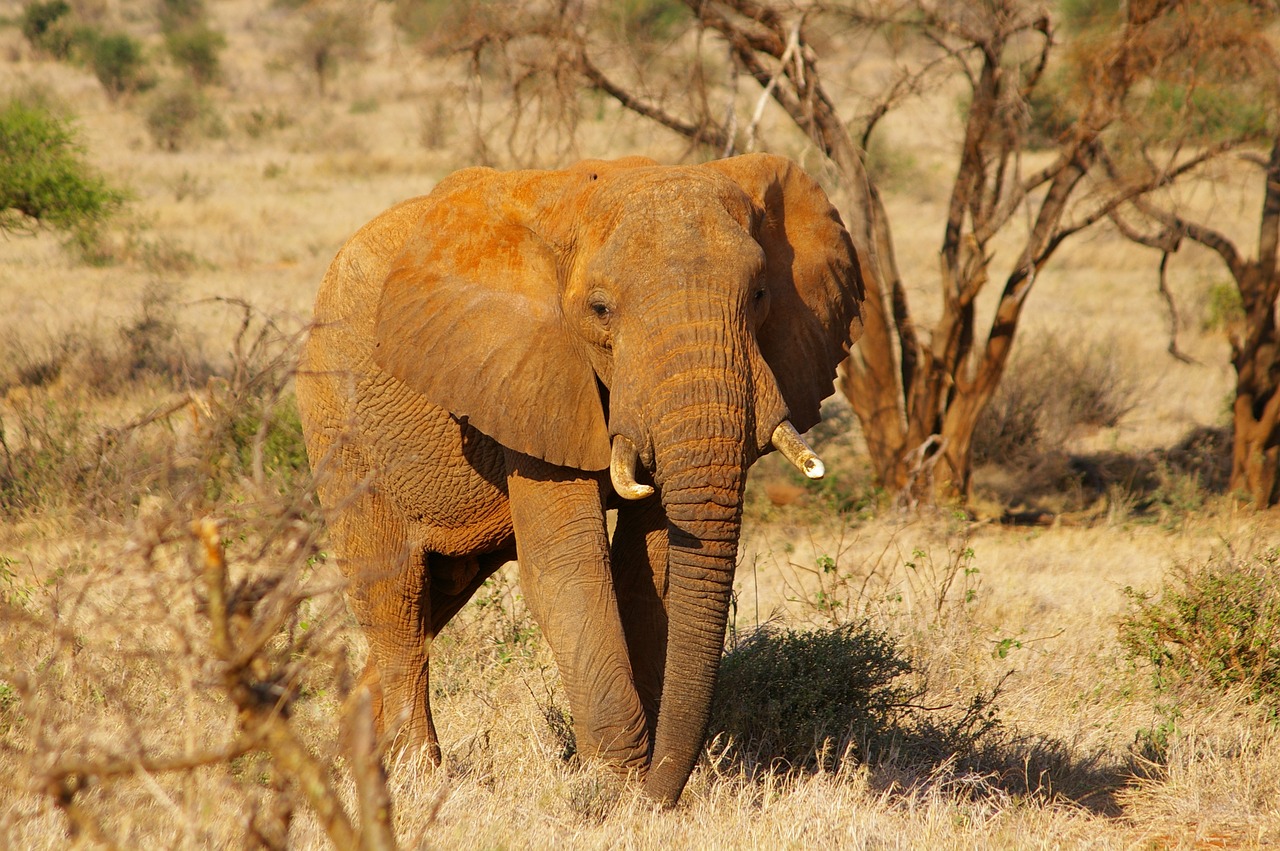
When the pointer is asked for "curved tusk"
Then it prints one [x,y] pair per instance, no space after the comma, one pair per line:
[789,442]
[622,470]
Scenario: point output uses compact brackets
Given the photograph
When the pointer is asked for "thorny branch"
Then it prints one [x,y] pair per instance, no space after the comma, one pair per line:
[261,695]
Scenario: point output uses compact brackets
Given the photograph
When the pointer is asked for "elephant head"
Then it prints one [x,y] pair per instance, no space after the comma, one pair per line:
[675,317]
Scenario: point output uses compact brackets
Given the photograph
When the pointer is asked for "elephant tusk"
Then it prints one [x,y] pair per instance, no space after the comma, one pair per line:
[789,442]
[622,470]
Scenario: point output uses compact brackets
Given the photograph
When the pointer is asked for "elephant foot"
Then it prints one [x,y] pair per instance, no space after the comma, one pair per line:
[411,730]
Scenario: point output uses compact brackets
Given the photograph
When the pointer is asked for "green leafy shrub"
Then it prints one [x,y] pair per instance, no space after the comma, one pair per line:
[800,698]
[1218,625]
[1222,307]
[44,26]
[43,176]
[270,437]
[1207,113]
[641,22]
[197,48]
[120,64]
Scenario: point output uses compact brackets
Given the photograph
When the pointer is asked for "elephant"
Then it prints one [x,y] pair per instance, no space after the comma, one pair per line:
[494,366]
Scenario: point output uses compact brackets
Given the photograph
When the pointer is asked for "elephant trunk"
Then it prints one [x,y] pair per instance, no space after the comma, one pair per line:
[701,455]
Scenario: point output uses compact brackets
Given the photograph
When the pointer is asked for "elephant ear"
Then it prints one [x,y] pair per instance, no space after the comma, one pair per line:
[815,282]
[470,318]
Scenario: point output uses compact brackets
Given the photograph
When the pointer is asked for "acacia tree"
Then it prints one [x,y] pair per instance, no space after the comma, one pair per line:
[918,392]
[1255,347]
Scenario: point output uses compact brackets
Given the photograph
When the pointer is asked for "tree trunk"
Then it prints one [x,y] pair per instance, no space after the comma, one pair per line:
[1255,453]
[1255,457]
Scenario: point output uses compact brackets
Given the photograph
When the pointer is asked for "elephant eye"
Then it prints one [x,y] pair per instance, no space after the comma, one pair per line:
[599,308]
[759,294]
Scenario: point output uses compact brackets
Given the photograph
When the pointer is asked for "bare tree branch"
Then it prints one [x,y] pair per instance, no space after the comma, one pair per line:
[1174,319]
[708,132]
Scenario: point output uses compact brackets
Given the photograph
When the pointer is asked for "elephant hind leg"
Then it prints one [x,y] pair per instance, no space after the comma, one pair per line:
[388,593]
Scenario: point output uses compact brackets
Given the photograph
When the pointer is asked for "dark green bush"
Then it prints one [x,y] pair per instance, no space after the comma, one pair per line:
[197,48]
[800,698]
[119,63]
[43,176]
[1217,625]
[43,25]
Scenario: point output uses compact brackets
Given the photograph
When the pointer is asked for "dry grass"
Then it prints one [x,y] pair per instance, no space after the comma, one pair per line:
[103,615]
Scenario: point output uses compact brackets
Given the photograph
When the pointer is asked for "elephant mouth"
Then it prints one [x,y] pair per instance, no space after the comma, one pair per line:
[624,458]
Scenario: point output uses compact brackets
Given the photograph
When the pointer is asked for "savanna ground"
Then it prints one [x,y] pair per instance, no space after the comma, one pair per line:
[150,388]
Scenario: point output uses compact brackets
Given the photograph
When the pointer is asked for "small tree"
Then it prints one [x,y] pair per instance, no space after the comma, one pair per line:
[1255,346]
[197,47]
[43,24]
[44,179]
[189,39]
[119,64]
[1234,99]
[334,33]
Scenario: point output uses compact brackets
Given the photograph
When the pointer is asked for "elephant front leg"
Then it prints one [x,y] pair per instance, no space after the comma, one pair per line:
[563,552]
[639,559]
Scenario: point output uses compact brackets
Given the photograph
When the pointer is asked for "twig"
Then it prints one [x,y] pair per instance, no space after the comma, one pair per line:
[1174,321]
[371,780]
[255,710]
[793,45]
[87,773]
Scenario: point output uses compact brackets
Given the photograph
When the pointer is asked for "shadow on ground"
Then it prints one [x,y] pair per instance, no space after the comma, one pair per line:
[1061,486]
[796,702]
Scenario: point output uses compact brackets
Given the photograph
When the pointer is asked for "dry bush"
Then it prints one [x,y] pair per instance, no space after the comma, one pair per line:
[150,682]
[180,666]
[203,425]
[177,114]
[898,671]
[1055,389]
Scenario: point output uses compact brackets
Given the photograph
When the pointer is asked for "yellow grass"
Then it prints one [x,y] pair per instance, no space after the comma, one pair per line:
[103,650]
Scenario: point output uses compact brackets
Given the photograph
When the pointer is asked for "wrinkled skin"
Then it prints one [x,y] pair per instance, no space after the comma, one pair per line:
[475,352]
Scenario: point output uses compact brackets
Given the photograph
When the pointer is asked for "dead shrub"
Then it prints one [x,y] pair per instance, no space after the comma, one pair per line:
[74,437]
[1055,389]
